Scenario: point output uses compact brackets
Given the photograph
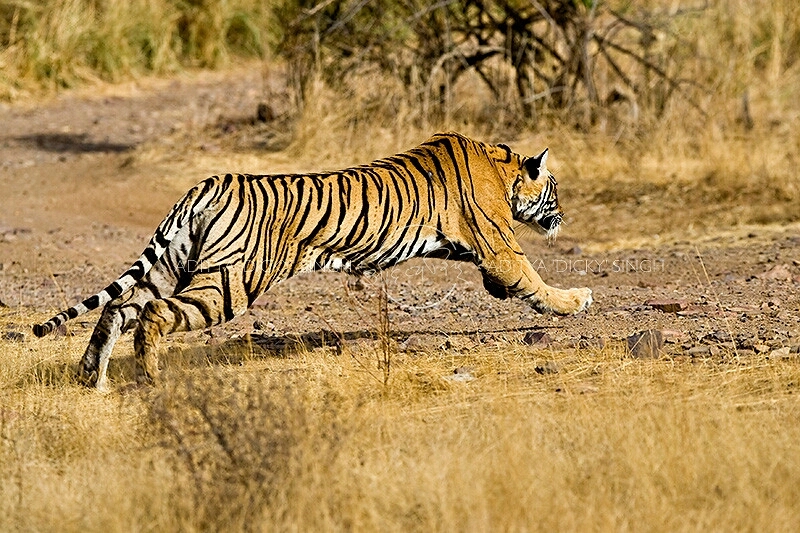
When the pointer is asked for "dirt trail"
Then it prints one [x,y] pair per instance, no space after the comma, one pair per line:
[77,205]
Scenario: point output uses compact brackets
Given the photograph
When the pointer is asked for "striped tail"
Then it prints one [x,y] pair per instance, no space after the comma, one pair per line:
[159,243]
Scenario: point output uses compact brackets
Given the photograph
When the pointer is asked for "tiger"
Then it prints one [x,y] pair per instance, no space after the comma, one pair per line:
[232,237]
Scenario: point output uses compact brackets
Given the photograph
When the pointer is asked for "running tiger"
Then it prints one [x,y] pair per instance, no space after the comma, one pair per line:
[232,237]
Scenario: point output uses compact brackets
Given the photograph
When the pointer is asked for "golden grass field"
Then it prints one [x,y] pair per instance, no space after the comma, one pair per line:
[312,442]
[473,431]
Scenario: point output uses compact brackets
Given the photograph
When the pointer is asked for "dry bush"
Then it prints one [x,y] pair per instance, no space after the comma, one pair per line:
[240,443]
[572,58]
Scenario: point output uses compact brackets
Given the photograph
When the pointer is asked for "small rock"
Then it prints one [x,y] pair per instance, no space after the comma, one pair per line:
[699,350]
[262,325]
[575,250]
[718,336]
[537,338]
[668,306]
[780,353]
[14,336]
[795,349]
[546,367]
[761,348]
[778,272]
[61,331]
[646,344]
[363,345]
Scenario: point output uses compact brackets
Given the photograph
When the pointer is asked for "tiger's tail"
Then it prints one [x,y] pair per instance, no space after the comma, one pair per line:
[163,236]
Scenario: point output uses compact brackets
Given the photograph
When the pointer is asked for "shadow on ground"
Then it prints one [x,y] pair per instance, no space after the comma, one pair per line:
[75,143]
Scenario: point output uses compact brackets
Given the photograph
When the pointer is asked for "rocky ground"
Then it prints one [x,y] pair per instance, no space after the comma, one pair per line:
[80,193]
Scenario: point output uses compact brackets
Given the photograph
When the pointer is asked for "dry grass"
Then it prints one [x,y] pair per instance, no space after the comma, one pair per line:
[313,442]
[66,43]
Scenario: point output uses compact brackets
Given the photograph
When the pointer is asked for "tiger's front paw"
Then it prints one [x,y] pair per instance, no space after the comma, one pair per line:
[572,301]
[584,298]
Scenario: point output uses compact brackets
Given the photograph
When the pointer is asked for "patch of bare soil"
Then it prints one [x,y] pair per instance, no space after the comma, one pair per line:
[77,205]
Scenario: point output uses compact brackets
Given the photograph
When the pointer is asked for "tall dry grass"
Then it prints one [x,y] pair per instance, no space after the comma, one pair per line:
[64,43]
[313,442]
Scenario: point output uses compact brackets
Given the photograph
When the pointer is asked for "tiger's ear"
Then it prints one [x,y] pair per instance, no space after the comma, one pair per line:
[508,152]
[534,165]
[542,158]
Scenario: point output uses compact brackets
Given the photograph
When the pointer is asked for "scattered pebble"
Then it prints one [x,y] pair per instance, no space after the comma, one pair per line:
[699,350]
[355,283]
[262,325]
[646,344]
[538,337]
[718,336]
[668,306]
[780,353]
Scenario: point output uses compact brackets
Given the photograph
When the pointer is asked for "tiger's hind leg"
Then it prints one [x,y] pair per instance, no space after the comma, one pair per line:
[113,322]
[118,316]
[211,298]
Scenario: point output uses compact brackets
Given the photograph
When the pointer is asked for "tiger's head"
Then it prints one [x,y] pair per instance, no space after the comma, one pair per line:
[534,198]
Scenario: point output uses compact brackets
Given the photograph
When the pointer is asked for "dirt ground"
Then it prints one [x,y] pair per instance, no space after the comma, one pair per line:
[86,177]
